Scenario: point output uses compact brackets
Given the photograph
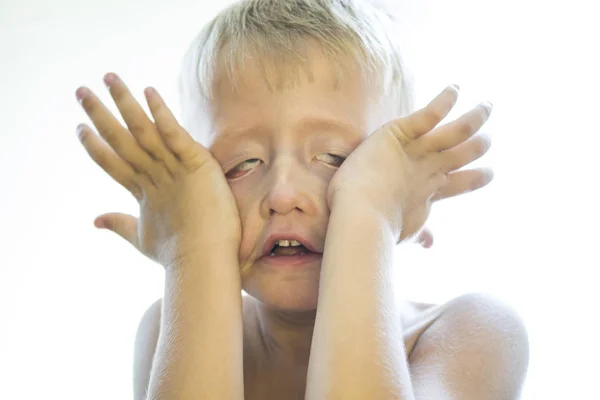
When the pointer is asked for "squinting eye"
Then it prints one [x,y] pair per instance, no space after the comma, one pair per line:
[332,159]
[241,168]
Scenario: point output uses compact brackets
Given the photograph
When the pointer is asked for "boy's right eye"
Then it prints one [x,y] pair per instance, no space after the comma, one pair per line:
[243,167]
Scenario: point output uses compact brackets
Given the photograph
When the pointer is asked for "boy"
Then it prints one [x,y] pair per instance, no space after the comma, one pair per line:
[292,199]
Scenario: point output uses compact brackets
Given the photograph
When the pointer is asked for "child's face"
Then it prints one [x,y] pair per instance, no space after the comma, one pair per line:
[281,145]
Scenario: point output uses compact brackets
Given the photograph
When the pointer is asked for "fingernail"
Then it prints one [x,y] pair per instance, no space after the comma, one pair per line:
[149,92]
[80,129]
[455,86]
[81,93]
[109,79]
[488,104]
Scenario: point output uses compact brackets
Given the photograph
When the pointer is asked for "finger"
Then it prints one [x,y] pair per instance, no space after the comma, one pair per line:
[461,182]
[177,139]
[109,161]
[122,224]
[465,153]
[425,119]
[456,132]
[115,135]
[139,124]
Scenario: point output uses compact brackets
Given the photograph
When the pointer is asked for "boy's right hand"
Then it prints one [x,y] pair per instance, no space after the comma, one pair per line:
[186,205]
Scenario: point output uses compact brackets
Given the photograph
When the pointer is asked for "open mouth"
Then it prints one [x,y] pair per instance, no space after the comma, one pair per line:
[290,251]
[288,248]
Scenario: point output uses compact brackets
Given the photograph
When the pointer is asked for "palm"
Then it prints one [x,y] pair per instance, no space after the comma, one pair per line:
[410,163]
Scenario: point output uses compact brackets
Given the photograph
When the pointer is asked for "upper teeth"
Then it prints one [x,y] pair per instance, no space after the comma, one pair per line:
[287,243]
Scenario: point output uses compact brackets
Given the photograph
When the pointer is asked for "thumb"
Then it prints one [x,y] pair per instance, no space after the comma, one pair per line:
[122,224]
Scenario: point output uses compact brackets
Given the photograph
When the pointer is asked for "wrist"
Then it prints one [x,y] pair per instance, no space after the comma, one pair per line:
[359,211]
[351,215]
[203,255]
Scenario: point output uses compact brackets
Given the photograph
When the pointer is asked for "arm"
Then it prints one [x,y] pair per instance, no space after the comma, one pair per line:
[199,351]
[478,348]
[189,223]
[145,346]
[357,351]
[383,191]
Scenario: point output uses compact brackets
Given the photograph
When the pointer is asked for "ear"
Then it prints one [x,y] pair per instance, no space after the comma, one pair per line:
[425,238]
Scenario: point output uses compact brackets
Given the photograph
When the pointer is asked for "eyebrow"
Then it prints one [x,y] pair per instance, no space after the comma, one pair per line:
[304,125]
[312,124]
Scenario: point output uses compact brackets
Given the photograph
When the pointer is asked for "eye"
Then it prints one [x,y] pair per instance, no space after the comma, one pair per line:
[242,168]
[332,159]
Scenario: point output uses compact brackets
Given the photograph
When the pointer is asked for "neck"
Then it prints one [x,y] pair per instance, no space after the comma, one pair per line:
[286,335]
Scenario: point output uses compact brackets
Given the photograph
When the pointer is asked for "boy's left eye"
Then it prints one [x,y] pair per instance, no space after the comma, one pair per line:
[332,159]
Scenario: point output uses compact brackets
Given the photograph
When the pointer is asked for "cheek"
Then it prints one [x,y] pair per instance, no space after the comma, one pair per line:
[322,174]
[248,202]
[246,194]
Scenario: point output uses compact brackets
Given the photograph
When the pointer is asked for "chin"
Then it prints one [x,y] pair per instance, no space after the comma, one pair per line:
[284,292]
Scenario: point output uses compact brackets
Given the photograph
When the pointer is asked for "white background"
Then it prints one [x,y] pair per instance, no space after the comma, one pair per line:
[72,296]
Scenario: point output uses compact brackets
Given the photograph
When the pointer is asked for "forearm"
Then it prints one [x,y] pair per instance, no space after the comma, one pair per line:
[199,352]
[357,350]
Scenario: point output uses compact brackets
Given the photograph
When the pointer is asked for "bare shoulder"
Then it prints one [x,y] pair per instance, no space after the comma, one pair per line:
[472,312]
[416,318]
[146,339]
[475,343]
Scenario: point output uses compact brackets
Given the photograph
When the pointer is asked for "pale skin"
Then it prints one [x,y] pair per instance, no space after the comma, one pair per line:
[331,330]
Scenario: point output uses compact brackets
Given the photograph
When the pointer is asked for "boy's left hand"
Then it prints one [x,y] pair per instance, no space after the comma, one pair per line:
[409,163]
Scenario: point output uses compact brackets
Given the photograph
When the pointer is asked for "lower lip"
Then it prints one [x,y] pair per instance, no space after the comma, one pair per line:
[301,260]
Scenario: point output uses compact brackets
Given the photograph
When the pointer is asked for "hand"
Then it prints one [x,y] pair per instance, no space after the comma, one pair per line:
[186,204]
[408,163]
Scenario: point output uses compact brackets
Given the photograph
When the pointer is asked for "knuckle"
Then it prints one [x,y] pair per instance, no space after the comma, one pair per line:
[118,93]
[89,104]
[465,128]
[154,155]
[101,158]
[147,143]
[136,191]
[163,167]
[137,127]
[146,147]
[112,137]
[399,129]
[109,223]
[169,133]
[436,113]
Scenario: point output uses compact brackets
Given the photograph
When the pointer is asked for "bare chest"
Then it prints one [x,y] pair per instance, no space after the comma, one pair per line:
[274,385]
[266,380]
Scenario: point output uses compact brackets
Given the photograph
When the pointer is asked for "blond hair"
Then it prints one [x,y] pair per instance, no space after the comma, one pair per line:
[276,31]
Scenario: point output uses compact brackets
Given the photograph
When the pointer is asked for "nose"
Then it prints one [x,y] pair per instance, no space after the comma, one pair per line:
[288,189]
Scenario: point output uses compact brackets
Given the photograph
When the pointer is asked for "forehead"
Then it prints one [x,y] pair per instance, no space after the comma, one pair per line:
[278,91]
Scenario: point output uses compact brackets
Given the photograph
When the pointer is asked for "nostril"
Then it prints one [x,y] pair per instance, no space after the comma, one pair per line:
[273,211]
